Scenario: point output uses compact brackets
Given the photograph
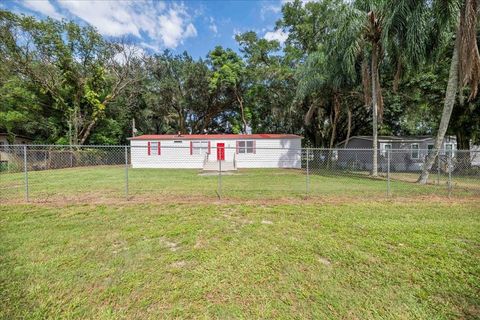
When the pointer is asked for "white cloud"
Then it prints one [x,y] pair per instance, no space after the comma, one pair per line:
[190,31]
[153,47]
[278,35]
[213,28]
[44,7]
[173,29]
[212,25]
[111,19]
[270,8]
[158,24]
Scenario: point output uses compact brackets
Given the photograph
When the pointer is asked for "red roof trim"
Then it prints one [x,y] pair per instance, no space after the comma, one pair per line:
[215,136]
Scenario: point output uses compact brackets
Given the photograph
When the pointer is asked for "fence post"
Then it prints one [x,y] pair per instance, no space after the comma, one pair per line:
[388,173]
[307,181]
[126,172]
[219,192]
[449,175]
[25,169]
[438,168]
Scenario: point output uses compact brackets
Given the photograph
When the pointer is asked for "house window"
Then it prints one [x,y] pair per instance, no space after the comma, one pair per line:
[415,151]
[199,147]
[449,150]
[384,148]
[177,141]
[154,148]
[430,148]
[246,146]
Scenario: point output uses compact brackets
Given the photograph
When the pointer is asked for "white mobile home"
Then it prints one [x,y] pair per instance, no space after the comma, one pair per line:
[205,151]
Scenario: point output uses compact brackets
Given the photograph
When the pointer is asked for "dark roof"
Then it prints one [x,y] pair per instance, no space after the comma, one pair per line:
[395,138]
[215,136]
[2,134]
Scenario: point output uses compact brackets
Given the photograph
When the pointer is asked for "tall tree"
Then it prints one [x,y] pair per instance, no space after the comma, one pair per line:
[360,35]
[464,69]
[75,66]
[229,73]
[271,85]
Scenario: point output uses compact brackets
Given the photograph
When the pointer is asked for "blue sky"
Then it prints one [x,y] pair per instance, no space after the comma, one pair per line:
[195,26]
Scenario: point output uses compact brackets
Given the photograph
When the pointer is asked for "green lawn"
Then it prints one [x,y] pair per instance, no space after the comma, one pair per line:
[363,260]
[106,183]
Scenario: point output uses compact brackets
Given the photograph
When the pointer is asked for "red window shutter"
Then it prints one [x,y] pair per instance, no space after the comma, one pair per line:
[209,147]
[254,146]
[149,148]
[191,147]
[159,152]
[236,148]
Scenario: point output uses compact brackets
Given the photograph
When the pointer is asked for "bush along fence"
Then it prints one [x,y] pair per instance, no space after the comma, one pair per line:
[200,171]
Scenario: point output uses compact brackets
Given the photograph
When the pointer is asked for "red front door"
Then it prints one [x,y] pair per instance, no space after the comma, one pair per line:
[220,151]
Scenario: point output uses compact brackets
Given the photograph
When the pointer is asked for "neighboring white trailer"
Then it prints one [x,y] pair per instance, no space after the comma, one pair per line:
[204,151]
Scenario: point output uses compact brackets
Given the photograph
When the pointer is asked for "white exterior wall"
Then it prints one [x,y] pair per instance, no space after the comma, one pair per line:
[278,153]
[272,153]
[475,155]
[173,155]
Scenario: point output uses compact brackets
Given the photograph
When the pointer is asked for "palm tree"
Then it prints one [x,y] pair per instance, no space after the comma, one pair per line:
[464,68]
[359,38]
[405,29]
[319,79]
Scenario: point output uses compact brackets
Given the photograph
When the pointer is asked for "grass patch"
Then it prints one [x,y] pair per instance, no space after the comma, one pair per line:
[366,260]
[99,183]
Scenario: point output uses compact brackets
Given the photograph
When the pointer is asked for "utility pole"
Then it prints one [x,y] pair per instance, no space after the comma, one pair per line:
[134,130]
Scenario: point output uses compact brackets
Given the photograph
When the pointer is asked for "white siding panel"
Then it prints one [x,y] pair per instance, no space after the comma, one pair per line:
[269,153]
[172,156]
[272,153]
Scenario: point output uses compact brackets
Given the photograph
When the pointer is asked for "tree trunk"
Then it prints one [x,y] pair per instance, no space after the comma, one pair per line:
[183,128]
[398,76]
[336,110]
[450,95]
[375,109]
[349,124]
[180,120]
[366,83]
[240,102]
[463,140]
[378,94]
[76,124]
[460,114]
[87,131]
[463,145]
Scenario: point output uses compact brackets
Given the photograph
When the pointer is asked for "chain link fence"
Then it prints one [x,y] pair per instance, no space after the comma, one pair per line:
[44,173]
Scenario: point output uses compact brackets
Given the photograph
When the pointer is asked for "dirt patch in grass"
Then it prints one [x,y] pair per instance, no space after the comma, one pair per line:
[173,246]
[324,261]
[215,173]
[179,264]
[86,198]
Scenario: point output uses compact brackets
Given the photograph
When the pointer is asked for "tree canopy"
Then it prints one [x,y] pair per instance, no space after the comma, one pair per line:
[342,62]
